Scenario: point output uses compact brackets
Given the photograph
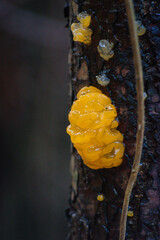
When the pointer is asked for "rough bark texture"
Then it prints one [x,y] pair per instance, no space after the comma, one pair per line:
[88,218]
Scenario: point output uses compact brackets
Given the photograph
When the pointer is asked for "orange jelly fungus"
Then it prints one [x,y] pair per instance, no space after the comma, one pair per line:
[81,31]
[84,18]
[93,129]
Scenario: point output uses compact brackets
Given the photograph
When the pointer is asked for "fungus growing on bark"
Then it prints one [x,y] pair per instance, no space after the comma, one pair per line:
[105,49]
[141,30]
[100,197]
[93,129]
[102,79]
[130,214]
[81,31]
[84,18]
[145,95]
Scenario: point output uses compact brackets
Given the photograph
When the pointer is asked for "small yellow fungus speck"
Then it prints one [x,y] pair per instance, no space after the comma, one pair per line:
[141,30]
[93,129]
[81,31]
[130,214]
[84,18]
[100,197]
[105,49]
[102,79]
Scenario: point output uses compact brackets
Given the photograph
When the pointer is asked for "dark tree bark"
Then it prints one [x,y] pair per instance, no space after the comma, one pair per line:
[88,218]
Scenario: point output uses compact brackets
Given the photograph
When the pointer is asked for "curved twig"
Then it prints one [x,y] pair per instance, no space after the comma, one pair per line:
[141,120]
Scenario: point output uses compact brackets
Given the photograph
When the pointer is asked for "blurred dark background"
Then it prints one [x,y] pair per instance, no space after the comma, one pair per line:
[34,149]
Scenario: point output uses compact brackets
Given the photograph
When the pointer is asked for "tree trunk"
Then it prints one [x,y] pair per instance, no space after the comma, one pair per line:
[88,218]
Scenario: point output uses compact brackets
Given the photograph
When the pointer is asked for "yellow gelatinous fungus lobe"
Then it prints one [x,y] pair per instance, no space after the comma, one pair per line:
[93,129]
[130,214]
[81,31]
[81,34]
[84,18]
[141,30]
[100,197]
[105,49]
[86,90]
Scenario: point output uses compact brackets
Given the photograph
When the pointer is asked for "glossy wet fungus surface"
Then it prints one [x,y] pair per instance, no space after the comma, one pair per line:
[93,129]
[81,31]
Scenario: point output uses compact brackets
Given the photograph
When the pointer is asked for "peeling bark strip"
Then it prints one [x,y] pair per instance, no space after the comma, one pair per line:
[88,218]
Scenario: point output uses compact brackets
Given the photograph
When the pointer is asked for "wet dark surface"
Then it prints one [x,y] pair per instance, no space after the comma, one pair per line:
[100,220]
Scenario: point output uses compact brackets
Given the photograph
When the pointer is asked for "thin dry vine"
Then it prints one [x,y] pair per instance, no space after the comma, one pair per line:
[141,120]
